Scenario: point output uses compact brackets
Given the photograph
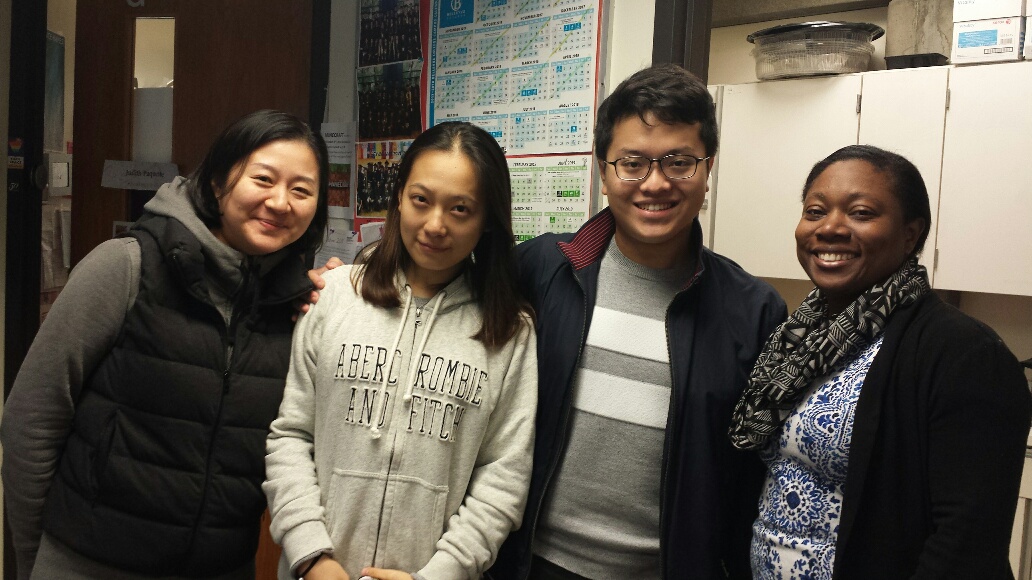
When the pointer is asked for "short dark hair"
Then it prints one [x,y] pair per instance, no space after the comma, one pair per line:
[492,271]
[670,93]
[907,184]
[234,145]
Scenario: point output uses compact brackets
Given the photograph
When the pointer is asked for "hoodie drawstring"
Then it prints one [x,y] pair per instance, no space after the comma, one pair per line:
[419,351]
[381,393]
[414,360]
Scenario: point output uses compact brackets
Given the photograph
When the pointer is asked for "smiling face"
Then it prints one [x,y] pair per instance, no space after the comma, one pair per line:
[654,216]
[852,234]
[442,218]
[271,199]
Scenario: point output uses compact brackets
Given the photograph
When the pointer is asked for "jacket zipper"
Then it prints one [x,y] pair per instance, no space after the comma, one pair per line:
[383,499]
[394,443]
[663,548]
[565,423]
[215,429]
[666,451]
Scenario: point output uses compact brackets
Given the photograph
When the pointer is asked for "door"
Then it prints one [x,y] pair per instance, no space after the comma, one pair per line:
[231,57]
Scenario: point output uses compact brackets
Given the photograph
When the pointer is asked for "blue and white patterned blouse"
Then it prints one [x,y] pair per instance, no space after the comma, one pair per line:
[801,503]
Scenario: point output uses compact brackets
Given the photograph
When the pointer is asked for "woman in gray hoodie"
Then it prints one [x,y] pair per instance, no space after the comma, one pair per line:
[134,435]
[404,441]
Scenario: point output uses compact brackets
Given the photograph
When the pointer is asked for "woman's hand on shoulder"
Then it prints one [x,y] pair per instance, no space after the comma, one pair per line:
[326,569]
[316,276]
[383,574]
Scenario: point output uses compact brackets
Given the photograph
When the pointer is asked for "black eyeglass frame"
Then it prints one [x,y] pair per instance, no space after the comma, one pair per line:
[651,161]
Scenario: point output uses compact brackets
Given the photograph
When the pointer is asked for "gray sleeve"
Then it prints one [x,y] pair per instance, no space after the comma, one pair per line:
[77,334]
[497,490]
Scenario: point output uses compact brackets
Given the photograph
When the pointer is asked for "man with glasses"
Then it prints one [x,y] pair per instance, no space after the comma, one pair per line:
[645,342]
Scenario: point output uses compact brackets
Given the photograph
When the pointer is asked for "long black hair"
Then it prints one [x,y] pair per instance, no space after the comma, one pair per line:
[218,171]
[492,270]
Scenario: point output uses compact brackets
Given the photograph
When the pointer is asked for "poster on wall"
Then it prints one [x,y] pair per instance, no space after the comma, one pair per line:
[389,32]
[524,70]
[390,99]
[53,100]
[377,170]
[550,193]
[340,147]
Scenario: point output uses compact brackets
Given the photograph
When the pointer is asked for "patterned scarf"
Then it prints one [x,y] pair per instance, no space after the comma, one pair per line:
[809,345]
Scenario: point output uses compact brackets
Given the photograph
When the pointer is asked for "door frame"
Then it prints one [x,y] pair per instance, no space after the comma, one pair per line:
[24,201]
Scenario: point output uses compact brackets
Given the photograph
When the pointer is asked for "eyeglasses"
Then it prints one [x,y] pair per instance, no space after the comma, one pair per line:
[637,168]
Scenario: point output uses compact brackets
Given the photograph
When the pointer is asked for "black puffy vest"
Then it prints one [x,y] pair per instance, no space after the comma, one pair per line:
[163,468]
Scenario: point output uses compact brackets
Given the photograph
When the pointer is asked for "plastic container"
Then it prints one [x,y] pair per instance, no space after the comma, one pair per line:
[813,48]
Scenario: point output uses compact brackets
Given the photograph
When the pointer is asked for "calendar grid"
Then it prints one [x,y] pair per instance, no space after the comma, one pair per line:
[526,72]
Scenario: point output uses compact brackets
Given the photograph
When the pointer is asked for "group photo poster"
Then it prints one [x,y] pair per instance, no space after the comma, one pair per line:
[377,171]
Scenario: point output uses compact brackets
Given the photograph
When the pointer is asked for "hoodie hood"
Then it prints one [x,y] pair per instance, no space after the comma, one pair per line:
[454,295]
[225,266]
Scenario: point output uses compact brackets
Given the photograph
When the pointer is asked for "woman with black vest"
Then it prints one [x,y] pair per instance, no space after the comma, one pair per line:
[134,436]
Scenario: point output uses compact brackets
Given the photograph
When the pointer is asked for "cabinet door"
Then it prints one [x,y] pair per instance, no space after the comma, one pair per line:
[985,204]
[904,111]
[772,133]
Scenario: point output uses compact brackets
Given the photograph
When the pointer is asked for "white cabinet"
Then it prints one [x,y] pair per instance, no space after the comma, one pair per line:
[975,157]
[903,111]
[985,212]
[771,135]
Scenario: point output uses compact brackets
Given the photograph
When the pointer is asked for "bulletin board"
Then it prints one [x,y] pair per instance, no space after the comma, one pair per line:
[526,71]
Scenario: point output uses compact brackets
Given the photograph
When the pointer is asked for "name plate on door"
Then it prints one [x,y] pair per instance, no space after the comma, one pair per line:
[144,175]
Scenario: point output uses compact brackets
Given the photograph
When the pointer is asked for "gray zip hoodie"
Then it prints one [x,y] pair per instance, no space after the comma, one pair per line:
[401,442]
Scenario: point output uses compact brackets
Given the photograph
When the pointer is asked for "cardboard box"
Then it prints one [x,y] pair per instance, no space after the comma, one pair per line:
[968,10]
[987,40]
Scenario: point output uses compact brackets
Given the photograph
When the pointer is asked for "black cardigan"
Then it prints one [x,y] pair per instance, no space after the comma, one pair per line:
[937,452]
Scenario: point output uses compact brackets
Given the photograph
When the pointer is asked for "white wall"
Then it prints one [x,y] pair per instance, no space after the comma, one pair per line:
[627,45]
[731,60]
[340,94]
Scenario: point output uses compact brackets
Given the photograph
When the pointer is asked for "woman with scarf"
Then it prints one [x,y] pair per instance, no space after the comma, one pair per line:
[893,426]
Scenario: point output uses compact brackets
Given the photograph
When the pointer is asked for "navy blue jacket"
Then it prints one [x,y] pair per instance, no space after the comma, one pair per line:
[716,327]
